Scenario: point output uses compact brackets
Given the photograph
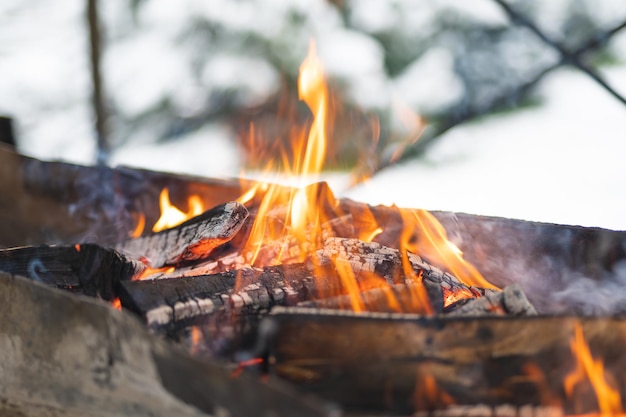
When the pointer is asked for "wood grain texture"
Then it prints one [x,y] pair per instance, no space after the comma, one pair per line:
[68,356]
[191,240]
[88,269]
[377,361]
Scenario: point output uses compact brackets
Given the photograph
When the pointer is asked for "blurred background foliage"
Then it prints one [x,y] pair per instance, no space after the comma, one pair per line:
[175,69]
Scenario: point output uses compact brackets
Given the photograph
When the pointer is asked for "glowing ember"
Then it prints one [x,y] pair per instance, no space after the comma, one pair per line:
[451,296]
[171,215]
[148,272]
[245,364]
[117,304]
[588,368]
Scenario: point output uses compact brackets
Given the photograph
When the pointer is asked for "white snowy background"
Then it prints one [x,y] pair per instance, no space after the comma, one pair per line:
[561,161]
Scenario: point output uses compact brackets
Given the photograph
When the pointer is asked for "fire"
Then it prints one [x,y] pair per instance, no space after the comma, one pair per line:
[452,296]
[288,218]
[139,228]
[587,367]
[116,303]
[171,215]
[303,216]
[428,396]
[148,272]
[428,238]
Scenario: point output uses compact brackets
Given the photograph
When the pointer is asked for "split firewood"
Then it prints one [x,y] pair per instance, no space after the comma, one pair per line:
[191,240]
[511,301]
[379,361]
[174,302]
[87,268]
[385,299]
[279,251]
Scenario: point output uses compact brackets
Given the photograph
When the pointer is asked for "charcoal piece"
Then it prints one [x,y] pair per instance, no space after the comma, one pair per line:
[191,240]
[87,268]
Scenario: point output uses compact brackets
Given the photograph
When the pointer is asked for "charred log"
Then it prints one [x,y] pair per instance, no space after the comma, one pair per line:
[378,362]
[89,269]
[511,301]
[191,240]
[180,301]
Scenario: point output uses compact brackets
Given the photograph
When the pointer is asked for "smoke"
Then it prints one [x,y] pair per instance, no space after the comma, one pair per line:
[562,269]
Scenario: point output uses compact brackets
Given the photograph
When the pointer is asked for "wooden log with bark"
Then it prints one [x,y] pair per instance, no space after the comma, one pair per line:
[380,362]
[191,240]
[86,268]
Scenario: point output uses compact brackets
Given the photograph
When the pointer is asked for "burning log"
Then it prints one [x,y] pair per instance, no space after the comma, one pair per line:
[87,268]
[511,301]
[382,362]
[191,240]
[173,302]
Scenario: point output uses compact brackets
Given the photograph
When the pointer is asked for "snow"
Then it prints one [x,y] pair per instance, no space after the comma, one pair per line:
[209,152]
[357,61]
[429,83]
[562,162]
[252,78]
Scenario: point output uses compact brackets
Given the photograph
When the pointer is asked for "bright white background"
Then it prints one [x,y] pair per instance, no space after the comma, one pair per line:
[562,162]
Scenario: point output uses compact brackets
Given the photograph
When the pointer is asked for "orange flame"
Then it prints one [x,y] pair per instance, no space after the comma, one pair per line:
[171,215]
[116,303]
[451,296]
[428,396]
[302,218]
[428,238]
[148,272]
[141,225]
[587,367]
[293,217]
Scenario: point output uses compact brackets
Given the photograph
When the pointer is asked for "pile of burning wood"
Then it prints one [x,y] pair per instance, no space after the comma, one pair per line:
[349,313]
[374,309]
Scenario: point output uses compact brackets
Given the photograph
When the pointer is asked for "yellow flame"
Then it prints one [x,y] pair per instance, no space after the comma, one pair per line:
[284,215]
[302,217]
[312,90]
[171,215]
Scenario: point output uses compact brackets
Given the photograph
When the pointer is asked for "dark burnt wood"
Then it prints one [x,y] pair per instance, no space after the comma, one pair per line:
[192,240]
[378,362]
[173,302]
[511,301]
[87,268]
[54,202]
